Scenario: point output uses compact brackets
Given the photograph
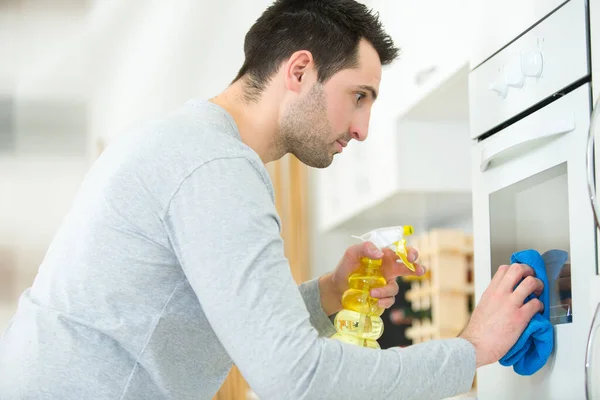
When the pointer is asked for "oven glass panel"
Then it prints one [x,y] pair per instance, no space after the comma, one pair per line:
[534,214]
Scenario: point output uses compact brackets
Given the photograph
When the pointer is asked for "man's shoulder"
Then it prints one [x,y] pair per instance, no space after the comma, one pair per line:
[195,134]
[163,152]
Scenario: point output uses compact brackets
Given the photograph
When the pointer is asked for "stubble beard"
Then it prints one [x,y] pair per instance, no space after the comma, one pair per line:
[305,131]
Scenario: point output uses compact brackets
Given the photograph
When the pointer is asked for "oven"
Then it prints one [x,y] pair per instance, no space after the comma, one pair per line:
[530,107]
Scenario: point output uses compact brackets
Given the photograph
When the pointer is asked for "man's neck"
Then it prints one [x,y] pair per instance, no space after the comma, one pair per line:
[257,121]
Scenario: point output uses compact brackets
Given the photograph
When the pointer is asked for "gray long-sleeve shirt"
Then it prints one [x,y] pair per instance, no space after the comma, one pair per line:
[170,266]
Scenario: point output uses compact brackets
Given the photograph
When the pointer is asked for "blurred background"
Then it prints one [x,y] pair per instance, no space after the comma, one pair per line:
[74,74]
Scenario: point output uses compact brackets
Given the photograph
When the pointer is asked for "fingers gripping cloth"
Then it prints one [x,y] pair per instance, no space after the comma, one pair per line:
[532,350]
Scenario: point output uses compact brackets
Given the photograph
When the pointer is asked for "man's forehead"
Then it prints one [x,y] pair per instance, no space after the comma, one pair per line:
[366,78]
[358,77]
[369,64]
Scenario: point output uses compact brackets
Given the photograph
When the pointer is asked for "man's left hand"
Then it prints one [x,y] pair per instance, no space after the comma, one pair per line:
[333,285]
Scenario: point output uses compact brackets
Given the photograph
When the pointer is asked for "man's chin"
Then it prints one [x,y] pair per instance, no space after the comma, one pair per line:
[321,164]
[316,163]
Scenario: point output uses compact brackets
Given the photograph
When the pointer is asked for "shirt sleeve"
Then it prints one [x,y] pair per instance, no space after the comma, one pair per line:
[312,298]
[225,231]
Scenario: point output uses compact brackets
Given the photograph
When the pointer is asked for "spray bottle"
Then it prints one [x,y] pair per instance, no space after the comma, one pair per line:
[359,322]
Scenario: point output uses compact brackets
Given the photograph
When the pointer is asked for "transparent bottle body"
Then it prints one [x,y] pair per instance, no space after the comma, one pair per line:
[359,322]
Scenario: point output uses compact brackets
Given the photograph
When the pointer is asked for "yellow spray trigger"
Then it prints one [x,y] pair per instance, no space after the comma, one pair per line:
[392,238]
[401,250]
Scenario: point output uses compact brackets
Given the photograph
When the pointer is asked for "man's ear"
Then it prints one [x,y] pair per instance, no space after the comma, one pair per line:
[297,68]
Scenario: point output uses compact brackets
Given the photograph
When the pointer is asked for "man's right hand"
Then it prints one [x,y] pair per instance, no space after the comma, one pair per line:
[500,316]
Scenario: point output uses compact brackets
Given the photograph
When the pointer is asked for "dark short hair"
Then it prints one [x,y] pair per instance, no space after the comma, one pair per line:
[330,29]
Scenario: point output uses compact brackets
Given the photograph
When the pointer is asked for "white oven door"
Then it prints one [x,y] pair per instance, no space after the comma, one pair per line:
[530,191]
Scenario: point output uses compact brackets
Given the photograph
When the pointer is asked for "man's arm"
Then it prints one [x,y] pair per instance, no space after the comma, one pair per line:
[225,231]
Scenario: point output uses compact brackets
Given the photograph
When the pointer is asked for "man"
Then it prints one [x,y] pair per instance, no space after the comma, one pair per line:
[170,264]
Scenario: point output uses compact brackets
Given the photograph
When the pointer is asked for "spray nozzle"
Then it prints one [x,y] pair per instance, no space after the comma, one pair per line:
[391,238]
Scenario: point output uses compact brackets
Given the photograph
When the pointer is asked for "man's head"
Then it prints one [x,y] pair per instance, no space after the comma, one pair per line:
[323,59]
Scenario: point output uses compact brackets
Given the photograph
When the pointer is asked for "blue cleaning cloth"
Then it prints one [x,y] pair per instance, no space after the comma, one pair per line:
[536,343]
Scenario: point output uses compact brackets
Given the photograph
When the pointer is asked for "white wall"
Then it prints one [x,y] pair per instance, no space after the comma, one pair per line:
[32,36]
[38,178]
[175,50]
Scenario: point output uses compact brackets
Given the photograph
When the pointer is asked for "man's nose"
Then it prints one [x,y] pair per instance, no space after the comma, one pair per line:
[360,131]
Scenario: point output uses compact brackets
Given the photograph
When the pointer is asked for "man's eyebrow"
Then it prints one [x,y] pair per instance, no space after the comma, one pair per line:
[369,89]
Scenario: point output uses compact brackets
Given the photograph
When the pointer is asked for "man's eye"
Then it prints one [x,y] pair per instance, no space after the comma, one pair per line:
[359,97]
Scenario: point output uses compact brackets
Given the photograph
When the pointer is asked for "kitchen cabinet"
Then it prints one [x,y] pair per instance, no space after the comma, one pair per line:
[432,39]
[414,167]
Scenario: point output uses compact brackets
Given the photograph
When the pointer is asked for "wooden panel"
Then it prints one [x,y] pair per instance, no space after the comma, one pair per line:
[297,220]
[234,388]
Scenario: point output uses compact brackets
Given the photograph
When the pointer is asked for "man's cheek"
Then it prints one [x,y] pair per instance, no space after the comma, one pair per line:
[339,117]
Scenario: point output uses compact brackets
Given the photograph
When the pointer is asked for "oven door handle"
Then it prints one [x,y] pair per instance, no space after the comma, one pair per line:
[540,130]
[589,353]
